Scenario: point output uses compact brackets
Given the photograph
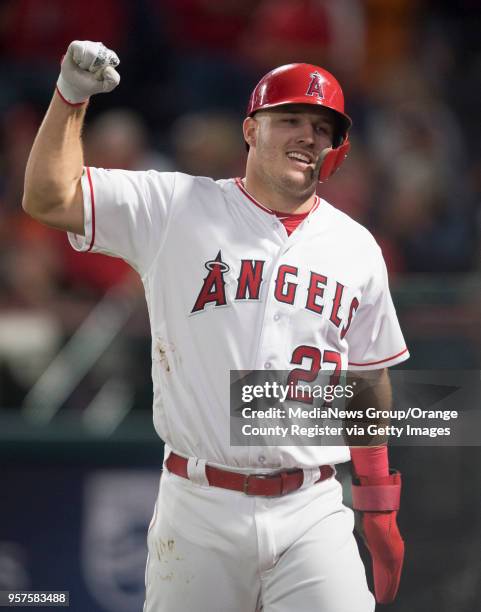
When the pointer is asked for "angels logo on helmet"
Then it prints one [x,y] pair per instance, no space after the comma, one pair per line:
[315,86]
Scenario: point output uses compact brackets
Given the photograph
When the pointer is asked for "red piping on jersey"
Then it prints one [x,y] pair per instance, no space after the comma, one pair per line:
[317,201]
[92,200]
[381,361]
[239,184]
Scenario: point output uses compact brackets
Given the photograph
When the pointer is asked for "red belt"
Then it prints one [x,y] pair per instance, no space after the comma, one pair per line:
[267,485]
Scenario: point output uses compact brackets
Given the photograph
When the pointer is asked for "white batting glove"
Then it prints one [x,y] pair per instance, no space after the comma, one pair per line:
[87,68]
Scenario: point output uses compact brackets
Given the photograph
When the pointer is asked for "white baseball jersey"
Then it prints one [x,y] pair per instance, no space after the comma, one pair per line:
[228,289]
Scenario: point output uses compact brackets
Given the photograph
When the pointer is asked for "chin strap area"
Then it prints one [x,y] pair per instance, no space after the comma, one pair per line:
[332,160]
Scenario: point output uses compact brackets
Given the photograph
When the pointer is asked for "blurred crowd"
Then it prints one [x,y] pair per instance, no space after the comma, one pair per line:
[411,73]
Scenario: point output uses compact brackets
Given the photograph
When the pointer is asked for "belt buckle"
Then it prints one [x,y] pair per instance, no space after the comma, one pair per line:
[249,476]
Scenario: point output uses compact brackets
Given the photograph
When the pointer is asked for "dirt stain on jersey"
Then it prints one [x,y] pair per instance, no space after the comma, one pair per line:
[162,349]
[164,548]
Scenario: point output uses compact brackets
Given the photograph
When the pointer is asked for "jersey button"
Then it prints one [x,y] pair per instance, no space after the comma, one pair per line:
[277,316]
[275,225]
[267,365]
[262,459]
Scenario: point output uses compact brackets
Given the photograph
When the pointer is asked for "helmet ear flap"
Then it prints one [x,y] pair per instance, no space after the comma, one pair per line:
[332,160]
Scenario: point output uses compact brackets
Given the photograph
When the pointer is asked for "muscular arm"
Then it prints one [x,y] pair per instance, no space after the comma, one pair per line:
[372,389]
[52,192]
[376,492]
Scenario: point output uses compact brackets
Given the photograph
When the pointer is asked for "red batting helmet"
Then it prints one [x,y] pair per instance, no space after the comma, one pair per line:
[306,84]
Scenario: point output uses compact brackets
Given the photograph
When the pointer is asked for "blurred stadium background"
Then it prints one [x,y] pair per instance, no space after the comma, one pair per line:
[79,460]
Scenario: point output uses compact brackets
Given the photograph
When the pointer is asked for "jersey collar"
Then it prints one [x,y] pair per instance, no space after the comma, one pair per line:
[240,185]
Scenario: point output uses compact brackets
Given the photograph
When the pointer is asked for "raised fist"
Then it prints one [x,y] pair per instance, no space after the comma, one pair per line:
[87,68]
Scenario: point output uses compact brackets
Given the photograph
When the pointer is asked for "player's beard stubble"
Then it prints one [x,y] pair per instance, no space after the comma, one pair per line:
[273,169]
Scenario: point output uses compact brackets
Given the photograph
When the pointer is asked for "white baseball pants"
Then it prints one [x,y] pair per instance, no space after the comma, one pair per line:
[214,550]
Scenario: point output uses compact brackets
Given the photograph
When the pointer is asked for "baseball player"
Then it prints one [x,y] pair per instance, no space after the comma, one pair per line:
[253,273]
